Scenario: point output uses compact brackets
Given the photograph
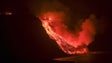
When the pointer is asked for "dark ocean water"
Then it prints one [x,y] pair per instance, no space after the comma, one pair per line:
[88,58]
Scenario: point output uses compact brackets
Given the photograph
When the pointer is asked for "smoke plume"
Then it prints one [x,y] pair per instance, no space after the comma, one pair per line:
[71,39]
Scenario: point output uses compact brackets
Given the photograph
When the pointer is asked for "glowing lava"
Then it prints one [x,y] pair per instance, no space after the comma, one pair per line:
[69,42]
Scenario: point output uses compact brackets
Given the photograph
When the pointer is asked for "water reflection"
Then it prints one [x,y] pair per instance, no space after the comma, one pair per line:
[91,57]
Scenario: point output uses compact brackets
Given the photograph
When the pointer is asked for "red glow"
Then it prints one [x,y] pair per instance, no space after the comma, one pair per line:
[70,43]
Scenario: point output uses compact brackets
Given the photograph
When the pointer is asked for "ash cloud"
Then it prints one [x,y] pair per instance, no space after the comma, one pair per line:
[79,29]
[73,22]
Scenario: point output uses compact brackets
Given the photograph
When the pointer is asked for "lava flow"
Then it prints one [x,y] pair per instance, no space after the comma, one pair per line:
[69,42]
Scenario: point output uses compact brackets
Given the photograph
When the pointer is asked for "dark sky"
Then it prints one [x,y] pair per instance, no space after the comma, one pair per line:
[24,39]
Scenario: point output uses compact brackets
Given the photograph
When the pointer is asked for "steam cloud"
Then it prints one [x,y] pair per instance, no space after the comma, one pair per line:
[55,17]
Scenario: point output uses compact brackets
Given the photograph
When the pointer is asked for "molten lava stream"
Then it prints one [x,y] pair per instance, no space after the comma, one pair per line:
[68,42]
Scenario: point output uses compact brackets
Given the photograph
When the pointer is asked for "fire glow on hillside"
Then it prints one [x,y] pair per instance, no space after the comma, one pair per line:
[67,41]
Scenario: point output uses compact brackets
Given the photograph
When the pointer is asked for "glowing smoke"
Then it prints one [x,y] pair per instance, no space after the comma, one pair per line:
[53,15]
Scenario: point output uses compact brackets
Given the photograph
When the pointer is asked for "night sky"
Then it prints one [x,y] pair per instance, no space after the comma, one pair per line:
[23,39]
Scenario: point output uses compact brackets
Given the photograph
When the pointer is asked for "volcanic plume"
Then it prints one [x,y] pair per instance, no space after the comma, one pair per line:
[53,15]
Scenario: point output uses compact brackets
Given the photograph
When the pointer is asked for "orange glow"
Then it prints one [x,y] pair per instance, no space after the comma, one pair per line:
[69,42]
[8,13]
